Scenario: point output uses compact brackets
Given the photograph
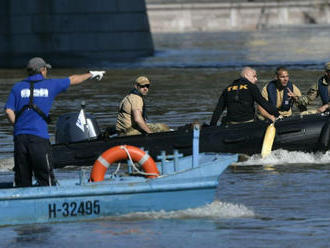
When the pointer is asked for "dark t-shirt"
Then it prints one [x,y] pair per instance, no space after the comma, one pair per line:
[239,98]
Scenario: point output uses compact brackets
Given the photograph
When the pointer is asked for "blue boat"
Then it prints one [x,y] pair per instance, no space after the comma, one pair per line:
[184,182]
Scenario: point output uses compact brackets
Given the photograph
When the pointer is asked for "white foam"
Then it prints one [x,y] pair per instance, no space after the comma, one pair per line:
[285,157]
[6,164]
[214,210]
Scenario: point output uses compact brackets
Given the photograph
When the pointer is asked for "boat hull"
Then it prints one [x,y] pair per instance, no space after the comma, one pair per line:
[299,133]
[184,186]
[98,206]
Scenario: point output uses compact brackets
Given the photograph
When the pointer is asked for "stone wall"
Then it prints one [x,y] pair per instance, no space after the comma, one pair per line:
[73,33]
[190,16]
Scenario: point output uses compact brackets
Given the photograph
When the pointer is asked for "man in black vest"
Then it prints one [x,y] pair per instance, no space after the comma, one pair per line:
[282,94]
[239,99]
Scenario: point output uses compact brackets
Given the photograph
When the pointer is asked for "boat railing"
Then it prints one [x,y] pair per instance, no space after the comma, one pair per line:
[165,167]
[169,163]
[174,165]
[196,131]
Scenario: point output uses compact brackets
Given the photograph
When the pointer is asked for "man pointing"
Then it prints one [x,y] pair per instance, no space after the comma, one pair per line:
[27,108]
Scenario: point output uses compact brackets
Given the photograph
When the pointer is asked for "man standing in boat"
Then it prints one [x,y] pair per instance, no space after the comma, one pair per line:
[239,98]
[320,88]
[27,108]
[282,94]
[132,117]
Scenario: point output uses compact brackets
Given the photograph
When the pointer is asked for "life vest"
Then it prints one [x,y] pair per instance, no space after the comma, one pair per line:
[323,90]
[144,109]
[32,105]
[272,96]
[237,86]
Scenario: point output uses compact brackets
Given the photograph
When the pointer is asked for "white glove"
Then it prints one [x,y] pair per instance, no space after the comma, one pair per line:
[97,74]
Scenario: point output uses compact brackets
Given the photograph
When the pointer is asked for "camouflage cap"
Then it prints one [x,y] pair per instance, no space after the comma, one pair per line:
[142,80]
[327,66]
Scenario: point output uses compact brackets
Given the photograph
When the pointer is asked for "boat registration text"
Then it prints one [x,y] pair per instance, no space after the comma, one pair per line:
[74,209]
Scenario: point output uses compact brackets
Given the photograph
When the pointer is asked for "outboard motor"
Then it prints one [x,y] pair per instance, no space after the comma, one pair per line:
[74,127]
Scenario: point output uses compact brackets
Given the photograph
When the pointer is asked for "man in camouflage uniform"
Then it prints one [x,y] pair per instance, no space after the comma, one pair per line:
[320,88]
[132,117]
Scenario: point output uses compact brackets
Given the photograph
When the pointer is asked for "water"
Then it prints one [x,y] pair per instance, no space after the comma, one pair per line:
[280,201]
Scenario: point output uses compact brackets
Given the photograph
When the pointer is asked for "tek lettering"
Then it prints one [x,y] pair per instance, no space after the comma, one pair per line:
[235,87]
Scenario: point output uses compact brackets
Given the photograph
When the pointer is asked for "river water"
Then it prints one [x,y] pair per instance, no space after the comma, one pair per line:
[281,201]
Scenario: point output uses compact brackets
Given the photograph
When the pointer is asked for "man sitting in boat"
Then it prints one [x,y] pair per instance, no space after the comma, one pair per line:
[239,98]
[132,117]
[320,88]
[282,94]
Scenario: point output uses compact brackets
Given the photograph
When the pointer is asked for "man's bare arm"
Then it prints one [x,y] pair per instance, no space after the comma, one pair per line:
[11,115]
[265,114]
[137,115]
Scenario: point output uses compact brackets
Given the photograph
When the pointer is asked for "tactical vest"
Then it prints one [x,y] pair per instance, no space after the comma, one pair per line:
[144,109]
[32,105]
[323,90]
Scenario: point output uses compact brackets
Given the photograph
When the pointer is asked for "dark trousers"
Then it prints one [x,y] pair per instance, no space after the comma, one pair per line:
[32,155]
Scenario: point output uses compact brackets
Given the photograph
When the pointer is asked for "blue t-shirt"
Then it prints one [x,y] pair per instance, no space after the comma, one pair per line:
[45,91]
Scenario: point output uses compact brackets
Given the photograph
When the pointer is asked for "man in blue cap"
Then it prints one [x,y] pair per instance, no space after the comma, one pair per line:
[27,108]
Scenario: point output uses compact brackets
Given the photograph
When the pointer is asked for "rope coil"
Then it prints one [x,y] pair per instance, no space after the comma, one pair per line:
[147,168]
[133,164]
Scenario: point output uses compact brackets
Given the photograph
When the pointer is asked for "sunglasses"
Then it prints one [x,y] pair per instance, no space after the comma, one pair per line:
[144,86]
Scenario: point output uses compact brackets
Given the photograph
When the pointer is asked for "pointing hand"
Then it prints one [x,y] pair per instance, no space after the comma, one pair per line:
[97,74]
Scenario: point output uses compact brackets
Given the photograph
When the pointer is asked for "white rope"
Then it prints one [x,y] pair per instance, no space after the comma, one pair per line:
[116,171]
[133,165]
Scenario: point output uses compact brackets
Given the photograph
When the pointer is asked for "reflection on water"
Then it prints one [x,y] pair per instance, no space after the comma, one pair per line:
[32,235]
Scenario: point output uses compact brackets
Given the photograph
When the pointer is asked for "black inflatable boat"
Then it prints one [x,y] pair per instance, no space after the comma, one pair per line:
[81,143]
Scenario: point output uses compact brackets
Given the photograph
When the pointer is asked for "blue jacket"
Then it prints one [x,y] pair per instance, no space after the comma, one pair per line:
[45,91]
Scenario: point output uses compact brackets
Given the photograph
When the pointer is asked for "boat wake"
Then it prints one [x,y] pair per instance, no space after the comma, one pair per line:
[214,210]
[282,157]
[6,164]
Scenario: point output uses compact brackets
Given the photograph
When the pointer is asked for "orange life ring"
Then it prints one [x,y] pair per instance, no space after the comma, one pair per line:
[118,153]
